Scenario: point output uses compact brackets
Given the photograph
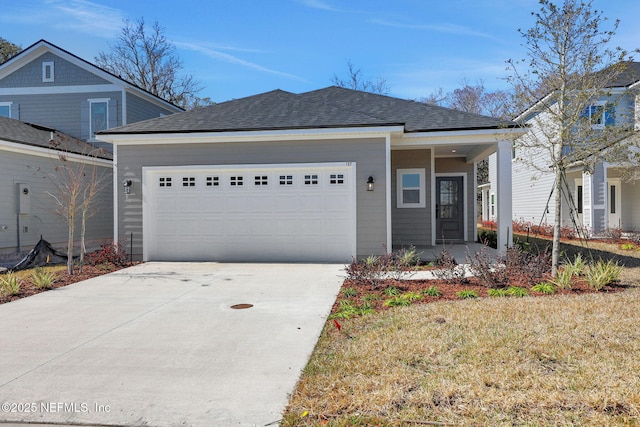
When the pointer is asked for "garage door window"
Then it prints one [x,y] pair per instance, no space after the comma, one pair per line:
[286,179]
[213,181]
[236,181]
[311,180]
[188,181]
[165,181]
[336,178]
[261,180]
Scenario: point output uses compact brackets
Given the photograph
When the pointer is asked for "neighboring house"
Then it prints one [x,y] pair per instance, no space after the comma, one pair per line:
[603,199]
[47,85]
[29,157]
[320,176]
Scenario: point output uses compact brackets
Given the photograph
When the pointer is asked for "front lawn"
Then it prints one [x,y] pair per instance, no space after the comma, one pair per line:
[565,359]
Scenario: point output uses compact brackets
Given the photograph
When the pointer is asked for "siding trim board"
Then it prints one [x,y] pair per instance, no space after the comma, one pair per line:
[51,154]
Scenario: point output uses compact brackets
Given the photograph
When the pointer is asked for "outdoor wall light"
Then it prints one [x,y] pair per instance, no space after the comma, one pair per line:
[127,183]
[370,184]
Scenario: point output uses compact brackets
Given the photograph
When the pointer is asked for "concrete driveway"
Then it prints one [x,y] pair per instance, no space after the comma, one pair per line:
[158,344]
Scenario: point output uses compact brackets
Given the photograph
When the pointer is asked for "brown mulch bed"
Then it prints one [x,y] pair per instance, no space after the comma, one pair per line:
[88,272]
[448,291]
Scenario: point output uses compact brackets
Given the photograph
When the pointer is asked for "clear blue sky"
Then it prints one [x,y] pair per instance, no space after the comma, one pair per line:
[237,48]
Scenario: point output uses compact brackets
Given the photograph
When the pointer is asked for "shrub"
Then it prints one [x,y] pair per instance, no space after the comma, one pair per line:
[398,301]
[369,271]
[603,273]
[467,293]
[349,292]
[544,288]
[391,291]
[10,284]
[517,291]
[564,278]
[577,266]
[497,292]
[627,246]
[109,253]
[431,291]
[448,269]
[347,310]
[42,278]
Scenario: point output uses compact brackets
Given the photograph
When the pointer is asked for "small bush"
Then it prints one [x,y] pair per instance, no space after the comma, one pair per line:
[10,284]
[448,269]
[497,292]
[467,293]
[544,288]
[42,278]
[431,291]
[348,310]
[627,246]
[577,266]
[391,291]
[349,292]
[517,291]
[603,273]
[109,253]
[564,278]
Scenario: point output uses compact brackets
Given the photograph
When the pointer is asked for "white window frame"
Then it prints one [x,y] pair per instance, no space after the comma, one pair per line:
[48,69]
[92,133]
[422,187]
[7,104]
[603,111]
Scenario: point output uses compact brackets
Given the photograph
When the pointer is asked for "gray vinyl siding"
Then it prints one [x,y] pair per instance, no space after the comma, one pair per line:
[411,226]
[368,154]
[138,109]
[37,172]
[60,111]
[459,165]
[65,74]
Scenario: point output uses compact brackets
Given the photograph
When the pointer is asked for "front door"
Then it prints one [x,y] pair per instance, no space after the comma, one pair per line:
[449,209]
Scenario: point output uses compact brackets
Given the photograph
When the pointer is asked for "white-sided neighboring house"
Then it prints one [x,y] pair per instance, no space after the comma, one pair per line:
[604,199]
[28,162]
[325,175]
[52,87]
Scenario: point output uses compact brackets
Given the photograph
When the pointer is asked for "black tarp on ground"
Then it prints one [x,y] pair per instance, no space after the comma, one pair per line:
[42,253]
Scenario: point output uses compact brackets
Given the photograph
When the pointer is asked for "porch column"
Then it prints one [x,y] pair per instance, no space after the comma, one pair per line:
[503,196]
[594,201]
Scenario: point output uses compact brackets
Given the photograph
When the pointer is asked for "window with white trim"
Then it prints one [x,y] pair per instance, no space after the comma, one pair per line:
[47,72]
[212,181]
[411,188]
[188,181]
[236,181]
[5,109]
[164,181]
[600,114]
[261,180]
[98,115]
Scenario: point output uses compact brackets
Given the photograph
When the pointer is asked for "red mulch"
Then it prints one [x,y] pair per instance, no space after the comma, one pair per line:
[448,291]
[88,271]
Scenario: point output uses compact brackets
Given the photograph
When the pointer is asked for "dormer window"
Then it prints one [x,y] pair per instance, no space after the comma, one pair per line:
[47,72]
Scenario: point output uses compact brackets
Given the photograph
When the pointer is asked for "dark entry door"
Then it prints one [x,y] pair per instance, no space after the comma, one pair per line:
[449,208]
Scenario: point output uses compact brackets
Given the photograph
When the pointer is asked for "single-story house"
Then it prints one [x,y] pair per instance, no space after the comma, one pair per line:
[31,166]
[325,175]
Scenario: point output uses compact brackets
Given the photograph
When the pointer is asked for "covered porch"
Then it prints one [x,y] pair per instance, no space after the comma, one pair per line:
[434,188]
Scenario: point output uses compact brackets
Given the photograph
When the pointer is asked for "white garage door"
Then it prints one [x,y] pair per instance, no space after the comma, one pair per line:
[297,212]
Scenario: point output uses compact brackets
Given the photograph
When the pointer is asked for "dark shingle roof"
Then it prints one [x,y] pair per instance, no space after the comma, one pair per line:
[629,74]
[332,107]
[40,136]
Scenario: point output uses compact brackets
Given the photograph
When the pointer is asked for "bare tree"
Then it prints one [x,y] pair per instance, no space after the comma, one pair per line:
[569,60]
[144,57]
[77,184]
[356,80]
